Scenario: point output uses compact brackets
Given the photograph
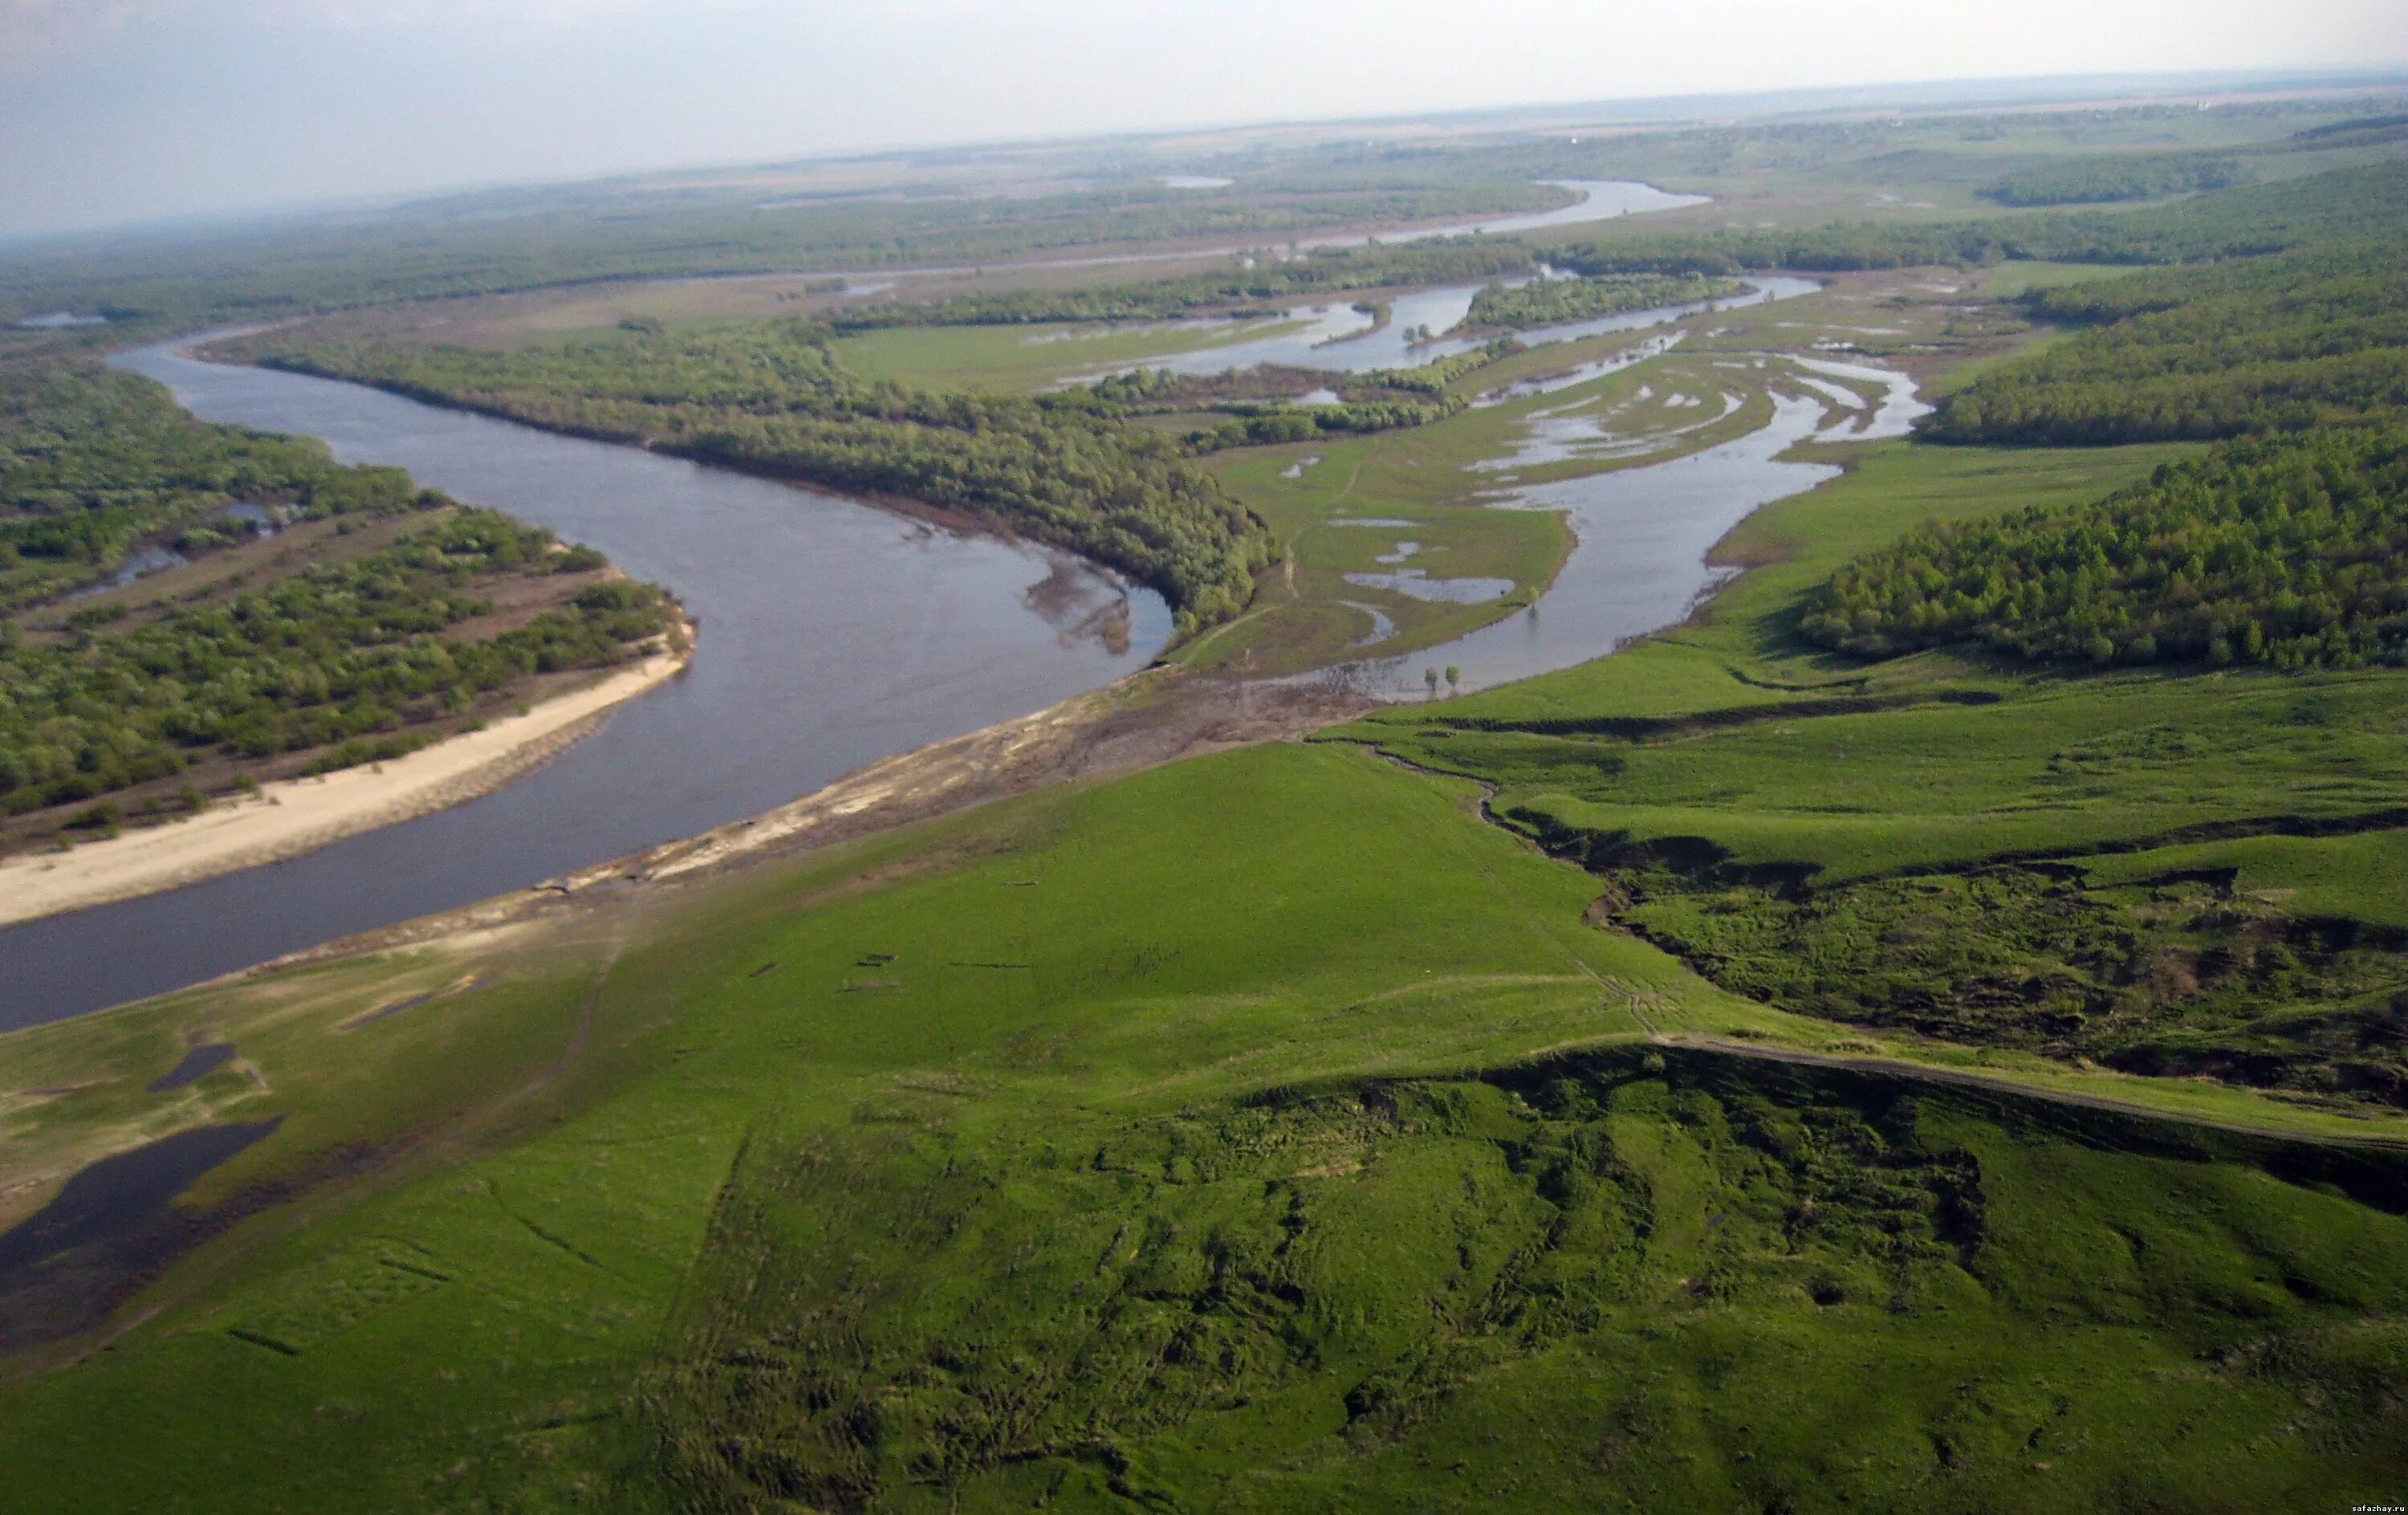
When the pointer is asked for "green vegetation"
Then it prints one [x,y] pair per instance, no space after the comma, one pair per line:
[511,239]
[1940,849]
[1206,1138]
[1370,399]
[1329,270]
[353,657]
[1923,1065]
[2290,553]
[93,463]
[2262,344]
[329,657]
[770,397]
[2094,179]
[2346,206]
[1547,302]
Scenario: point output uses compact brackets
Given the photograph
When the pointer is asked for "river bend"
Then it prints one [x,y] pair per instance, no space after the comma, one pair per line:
[832,634]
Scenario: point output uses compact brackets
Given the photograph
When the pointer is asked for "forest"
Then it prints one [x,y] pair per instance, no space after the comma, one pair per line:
[2276,343]
[770,397]
[93,462]
[2098,178]
[2287,553]
[2345,205]
[347,656]
[357,657]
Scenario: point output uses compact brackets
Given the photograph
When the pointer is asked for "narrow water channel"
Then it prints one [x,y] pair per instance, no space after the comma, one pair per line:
[1638,564]
[1342,339]
[832,635]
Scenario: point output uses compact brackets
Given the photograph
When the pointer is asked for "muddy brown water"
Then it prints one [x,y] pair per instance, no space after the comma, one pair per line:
[832,634]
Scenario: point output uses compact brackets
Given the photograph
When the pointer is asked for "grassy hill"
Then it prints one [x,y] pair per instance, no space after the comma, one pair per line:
[1746,1072]
[1261,1133]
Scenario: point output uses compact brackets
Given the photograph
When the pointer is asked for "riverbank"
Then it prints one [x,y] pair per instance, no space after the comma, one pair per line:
[1140,723]
[289,818]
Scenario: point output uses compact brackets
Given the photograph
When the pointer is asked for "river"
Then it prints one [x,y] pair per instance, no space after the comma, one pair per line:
[832,634]
[1638,560]
[1600,199]
[1341,338]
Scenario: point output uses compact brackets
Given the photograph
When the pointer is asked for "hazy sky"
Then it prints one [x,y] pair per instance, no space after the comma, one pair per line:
[113,110]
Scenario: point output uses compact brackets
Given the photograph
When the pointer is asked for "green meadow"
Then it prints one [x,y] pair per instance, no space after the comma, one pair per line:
[1264,1131]
[1729,1074]
[2161,872]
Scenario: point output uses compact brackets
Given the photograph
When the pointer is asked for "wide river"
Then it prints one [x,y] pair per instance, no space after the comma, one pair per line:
[832,634]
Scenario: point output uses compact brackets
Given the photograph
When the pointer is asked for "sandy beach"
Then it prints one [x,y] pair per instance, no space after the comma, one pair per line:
[298,815]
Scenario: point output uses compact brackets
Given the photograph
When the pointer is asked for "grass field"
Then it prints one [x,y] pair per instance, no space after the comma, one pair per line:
[1215,1136]
[2160,872]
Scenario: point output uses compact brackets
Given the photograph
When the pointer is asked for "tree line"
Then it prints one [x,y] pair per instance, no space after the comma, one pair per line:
[1250,286]
[496,241]
[2284,551]
[2097,179]
[2276,342]
[1549,302]
[771,398]
[2323,210]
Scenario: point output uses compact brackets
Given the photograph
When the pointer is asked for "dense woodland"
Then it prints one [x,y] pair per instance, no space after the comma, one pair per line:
[93,462]
[350,658]
[2098,178]
[2275,343]
[2289,552]
[2347,204]
[770,397]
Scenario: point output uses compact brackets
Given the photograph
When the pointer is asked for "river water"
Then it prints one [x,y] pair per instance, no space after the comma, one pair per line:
[1638,564]
[832,634]
[1602,199]
[1342,339]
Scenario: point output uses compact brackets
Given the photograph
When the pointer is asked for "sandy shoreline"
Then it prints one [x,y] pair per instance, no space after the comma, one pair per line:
[294,817]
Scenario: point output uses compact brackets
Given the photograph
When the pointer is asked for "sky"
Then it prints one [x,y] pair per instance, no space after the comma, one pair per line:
[114,112]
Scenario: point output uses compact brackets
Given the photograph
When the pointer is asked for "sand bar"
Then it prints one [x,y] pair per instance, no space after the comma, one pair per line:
[293,816]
